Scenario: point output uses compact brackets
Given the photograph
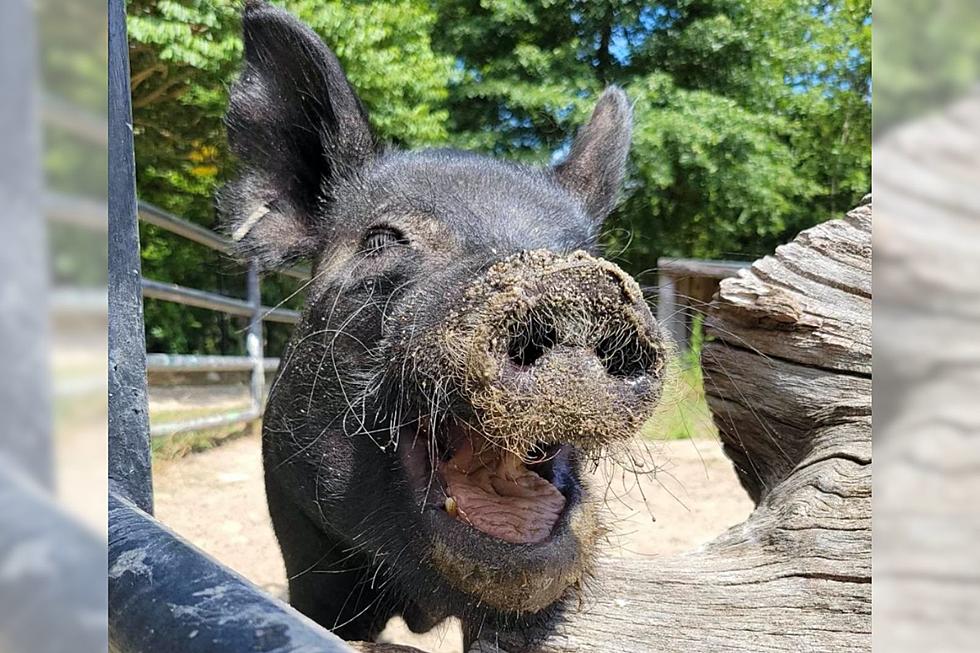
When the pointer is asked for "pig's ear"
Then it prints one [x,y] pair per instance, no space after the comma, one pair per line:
[596,163]
[297,128]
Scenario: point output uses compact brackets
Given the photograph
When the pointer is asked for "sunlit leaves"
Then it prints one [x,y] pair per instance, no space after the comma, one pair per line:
[752,117]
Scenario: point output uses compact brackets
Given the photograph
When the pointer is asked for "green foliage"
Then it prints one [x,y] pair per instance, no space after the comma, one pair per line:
[715,179]
[928,56]
[752,116]
[184,55]
[386,52]
[683,411]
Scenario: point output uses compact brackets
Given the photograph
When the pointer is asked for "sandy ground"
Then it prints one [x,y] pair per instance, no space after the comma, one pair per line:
[216,500]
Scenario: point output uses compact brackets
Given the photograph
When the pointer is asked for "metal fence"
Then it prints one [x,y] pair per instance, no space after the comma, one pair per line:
[251,307]
[165,595]
[90,214]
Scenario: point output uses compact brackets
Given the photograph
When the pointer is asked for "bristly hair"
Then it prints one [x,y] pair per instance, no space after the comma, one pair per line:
[297,129]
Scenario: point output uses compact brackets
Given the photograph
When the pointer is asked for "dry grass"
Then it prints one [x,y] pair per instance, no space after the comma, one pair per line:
[683,411]
[182,444]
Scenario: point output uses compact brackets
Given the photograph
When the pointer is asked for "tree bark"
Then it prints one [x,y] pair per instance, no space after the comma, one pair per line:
[788,378]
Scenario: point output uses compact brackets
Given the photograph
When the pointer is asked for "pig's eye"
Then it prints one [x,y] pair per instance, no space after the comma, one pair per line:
[380,238]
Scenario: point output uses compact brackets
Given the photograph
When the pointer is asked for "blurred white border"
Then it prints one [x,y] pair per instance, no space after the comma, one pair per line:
[52,326]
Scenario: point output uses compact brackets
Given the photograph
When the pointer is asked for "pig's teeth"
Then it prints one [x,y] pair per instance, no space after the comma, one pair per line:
[451,508]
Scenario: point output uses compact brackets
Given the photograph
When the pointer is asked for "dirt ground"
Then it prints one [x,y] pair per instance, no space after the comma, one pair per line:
[216,500]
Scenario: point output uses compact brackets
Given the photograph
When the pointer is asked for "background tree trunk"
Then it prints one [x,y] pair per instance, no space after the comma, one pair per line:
[788,378]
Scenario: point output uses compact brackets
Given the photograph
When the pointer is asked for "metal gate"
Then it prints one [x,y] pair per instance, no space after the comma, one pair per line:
[164,594]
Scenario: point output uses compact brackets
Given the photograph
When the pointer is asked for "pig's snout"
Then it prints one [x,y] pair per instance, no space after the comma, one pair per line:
[554,348]
[614,343]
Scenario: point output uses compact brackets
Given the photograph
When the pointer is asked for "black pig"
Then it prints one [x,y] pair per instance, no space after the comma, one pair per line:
[462,356]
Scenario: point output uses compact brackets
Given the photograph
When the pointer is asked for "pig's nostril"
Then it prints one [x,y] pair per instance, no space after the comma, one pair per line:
[625,359]
[531,341]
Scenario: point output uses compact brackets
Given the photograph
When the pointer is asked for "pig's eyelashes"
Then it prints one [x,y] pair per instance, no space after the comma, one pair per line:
[378,239]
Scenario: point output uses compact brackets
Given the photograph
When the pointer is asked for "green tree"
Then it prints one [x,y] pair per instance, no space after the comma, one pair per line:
[184,55]
[752,116]
[927,55]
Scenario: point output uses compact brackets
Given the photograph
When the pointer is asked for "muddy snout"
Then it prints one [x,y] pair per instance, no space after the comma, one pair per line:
[552,349]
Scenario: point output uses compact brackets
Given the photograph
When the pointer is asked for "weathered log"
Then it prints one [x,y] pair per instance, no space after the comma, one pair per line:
[790,360]
[788,378]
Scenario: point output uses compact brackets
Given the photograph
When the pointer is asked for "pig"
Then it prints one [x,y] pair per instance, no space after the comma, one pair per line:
[464,356]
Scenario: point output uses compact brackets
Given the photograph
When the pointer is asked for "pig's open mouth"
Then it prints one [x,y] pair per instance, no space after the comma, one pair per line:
[514,498]
[498,493]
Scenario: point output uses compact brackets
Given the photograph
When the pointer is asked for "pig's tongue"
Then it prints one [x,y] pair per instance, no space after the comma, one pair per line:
[495,493]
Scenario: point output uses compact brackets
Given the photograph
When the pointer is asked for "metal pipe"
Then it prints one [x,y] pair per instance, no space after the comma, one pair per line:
[253,341]
[129,428]
[167,596]
[204,423]
[191,363]
[171,292]
[156,216]
[168,222]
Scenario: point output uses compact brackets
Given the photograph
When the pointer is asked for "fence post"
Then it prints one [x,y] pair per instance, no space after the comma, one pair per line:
[668,314]
[253,342]
[129,427]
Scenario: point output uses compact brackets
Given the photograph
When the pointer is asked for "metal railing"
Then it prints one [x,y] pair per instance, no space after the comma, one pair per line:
[90,214]
[251,307]
[164,594]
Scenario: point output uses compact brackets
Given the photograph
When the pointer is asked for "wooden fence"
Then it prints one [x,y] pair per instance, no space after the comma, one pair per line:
[685,287]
